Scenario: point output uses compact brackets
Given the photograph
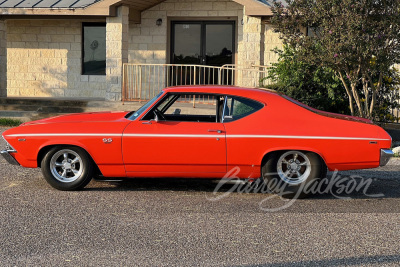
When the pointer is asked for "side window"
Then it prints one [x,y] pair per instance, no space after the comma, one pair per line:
[189,107]
[238,107]
[93,48]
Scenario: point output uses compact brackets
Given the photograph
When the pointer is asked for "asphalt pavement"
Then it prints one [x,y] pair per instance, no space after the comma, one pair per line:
[183,222]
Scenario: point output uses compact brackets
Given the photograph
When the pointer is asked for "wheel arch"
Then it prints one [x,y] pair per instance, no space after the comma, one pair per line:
[45,149]
[270,153]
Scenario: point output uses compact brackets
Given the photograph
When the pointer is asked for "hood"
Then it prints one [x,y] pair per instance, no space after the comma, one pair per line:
[82,117]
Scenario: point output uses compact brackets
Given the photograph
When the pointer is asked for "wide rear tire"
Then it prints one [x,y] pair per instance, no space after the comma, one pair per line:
[290,173]
[67,168]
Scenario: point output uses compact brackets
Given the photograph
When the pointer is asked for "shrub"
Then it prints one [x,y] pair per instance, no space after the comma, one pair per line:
[9,122]
[315,86]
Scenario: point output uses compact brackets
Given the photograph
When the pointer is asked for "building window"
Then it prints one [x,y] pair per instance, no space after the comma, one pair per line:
[94,49]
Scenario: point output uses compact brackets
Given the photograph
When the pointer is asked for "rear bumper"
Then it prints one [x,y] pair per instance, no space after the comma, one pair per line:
[10,159]
[386,154]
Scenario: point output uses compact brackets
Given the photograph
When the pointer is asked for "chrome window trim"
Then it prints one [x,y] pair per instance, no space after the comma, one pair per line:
[223,111]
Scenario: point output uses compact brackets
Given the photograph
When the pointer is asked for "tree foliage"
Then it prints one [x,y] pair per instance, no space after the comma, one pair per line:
[388,98]
[357,39]
[315,86]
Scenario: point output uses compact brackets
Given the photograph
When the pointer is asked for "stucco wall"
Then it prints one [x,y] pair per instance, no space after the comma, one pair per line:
[3,59]
[148,42]
[44,60]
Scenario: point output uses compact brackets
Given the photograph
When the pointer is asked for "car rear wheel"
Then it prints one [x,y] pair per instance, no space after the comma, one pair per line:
[290,173]
[67,168]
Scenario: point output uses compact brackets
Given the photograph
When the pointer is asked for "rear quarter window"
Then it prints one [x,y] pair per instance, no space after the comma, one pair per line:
[237,108]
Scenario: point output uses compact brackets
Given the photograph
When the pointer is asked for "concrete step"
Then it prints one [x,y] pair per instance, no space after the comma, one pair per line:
[27,109]
[69,109]
[65,102]
[35,101]
[26,115]
[45,109]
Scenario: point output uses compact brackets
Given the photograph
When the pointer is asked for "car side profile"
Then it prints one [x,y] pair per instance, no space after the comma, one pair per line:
[199,132]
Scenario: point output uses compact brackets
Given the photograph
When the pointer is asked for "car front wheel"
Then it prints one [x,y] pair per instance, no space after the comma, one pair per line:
[67,168]
[290,173]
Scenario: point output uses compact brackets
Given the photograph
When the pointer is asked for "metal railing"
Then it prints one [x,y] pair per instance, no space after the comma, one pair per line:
[143,81]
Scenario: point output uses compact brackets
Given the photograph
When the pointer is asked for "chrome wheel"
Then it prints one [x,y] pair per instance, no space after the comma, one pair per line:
[66,166]
[293,167]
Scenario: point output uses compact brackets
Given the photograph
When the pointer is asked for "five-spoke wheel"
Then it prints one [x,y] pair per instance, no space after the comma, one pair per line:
[67,168]
[293,167]
[288,173]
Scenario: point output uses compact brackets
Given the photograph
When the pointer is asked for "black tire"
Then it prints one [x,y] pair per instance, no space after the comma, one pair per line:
[67,168]
[289,176]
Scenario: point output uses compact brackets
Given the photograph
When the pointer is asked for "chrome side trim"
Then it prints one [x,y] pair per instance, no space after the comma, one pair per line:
[10,159]
[200,135]
[386,154]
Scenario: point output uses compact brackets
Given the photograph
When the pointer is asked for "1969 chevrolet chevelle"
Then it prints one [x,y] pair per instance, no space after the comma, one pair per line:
[199,132]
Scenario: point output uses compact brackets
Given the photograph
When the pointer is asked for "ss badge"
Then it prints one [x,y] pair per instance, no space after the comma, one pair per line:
[107,140]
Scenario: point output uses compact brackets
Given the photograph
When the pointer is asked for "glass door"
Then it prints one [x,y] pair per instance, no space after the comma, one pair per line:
[204,43]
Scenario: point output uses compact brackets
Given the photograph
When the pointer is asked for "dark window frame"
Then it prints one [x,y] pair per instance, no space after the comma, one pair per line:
[220,117]
[259,107]
[148,115]
[89,24]
[203,39]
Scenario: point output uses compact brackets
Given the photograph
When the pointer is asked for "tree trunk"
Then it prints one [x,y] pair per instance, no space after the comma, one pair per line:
[375,90]
[366,94]
[346,86]
[357,99]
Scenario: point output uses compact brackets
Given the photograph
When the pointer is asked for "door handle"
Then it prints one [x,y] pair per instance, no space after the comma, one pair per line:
[215,131]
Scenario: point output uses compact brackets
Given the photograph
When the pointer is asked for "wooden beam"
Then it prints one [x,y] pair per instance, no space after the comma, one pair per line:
[255,8]
[135,16]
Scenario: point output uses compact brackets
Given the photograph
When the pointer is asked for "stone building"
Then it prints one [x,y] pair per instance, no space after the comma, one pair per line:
[76,48]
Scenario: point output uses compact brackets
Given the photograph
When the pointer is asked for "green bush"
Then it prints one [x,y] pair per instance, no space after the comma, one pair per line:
[9,122]
[315,86]
[388,97]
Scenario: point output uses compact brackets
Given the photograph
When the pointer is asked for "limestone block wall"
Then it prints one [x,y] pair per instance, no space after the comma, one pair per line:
[249,46]
[3,59]
[271,41]
[44,60]
[117,35]
[148,43]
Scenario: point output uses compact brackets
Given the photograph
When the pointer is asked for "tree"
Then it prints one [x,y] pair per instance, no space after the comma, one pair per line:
[358,40]
[315,86]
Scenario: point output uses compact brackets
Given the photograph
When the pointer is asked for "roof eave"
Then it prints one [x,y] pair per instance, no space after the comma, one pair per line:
[107,8]
[88,11]
[255,8]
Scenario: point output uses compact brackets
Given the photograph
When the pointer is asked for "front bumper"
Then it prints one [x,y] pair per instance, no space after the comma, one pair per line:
[386,154]
[10,159]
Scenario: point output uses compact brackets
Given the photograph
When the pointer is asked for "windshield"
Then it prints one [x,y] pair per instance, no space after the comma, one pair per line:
[145,107]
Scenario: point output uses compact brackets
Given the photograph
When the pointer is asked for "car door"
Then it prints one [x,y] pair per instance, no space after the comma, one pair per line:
[243,148]
[185,140]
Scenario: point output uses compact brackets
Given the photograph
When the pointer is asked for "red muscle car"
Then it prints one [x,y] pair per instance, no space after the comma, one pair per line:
[199,132]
